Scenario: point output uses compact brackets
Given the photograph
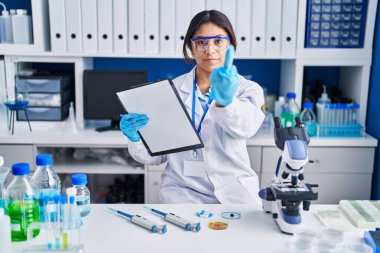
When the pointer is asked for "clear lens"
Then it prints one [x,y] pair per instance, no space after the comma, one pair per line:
[217,43]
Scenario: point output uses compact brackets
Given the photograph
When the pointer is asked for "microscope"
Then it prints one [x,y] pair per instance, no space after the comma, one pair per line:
[286,191]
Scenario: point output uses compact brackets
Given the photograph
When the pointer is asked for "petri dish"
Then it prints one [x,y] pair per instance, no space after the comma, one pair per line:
[332,234]
[218,225]
[300,246]
[325,246]
[231,214]
[357,248]
[305,234]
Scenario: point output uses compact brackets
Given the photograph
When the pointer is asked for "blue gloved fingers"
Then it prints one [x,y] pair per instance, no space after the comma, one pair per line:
[134,116]
[228,60]
[136,120]
[224,83]
[131,123]
[138,124]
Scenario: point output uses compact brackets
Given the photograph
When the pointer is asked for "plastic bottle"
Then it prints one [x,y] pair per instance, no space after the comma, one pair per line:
[5,232]
[308,118]
[325,112]
[278,106]
[79,182]
[290,110]
[22,203]
[3,174]
[324,99]
[22,27]
[46,180]
[5,26]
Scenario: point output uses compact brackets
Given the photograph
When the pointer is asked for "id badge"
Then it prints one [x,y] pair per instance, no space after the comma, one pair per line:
[194,169]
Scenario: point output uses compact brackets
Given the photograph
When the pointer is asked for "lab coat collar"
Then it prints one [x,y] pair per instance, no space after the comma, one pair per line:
[187,87]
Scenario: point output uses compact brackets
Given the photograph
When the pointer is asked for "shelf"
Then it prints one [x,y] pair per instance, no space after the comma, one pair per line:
[24,52]
[40,24]
[53,135]
[95,167]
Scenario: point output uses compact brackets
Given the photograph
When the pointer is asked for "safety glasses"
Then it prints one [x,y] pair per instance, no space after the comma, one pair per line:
[203,43]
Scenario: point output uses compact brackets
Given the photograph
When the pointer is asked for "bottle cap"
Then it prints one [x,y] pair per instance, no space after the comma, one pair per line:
[290,95]
[308,105]
[5,13]
[20,169]
[56,199]
[63,199]
[44,159]
[21,12]
[79,179]
[281,99]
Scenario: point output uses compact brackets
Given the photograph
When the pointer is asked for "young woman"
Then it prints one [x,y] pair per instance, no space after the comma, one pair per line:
[225,109]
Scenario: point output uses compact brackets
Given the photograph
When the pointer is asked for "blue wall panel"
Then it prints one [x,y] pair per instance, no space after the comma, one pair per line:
[373,112]
[265,72]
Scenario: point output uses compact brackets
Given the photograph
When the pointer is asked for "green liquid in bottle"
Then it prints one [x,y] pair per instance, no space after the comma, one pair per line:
[288,119]
[22,214]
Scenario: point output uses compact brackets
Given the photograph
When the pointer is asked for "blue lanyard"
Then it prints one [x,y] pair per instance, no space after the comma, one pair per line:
[193,107]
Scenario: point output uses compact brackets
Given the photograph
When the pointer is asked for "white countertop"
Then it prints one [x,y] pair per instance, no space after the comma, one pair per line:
[61,134]
[256,231]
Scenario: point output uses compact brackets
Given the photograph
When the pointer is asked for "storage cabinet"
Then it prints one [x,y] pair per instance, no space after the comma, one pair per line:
[16,154]
[154,182]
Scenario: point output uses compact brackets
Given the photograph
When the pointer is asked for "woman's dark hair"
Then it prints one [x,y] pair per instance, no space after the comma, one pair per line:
[215,17]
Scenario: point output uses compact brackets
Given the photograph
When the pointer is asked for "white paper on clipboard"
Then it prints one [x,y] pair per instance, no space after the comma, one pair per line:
[170,129]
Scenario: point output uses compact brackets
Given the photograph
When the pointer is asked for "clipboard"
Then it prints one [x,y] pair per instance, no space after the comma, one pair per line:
[170,129]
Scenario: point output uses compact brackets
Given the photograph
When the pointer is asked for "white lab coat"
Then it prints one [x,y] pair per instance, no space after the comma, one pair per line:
[224,174]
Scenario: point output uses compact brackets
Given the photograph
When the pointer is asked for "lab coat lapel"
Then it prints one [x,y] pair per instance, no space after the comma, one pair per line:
[187,88]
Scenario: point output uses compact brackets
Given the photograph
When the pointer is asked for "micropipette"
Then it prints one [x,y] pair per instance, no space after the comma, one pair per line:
[141,221]
[175,219]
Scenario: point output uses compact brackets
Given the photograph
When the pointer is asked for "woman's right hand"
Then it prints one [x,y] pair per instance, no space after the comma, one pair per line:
[131,123]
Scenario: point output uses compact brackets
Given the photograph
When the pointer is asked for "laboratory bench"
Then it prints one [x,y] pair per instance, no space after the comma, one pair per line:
[255,231]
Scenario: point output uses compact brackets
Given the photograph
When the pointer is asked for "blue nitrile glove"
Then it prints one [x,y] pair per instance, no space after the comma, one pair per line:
[224,80]
[131,123]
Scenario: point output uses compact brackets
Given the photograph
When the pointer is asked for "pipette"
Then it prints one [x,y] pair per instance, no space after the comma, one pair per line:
[141,221]
[175,219]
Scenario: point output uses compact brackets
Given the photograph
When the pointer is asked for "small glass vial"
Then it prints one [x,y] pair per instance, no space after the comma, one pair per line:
[82,198]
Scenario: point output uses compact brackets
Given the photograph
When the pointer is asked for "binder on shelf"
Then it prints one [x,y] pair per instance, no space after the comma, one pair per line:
[152,22]
[73,26]
[258,30]
[183,18]
[243,27]
[167,27]
[89,26]
[214,5]
[229,8]
[273,33]
[120,23]
[105,29]
[57,18]
[136,26]
[289,27]
[196,7]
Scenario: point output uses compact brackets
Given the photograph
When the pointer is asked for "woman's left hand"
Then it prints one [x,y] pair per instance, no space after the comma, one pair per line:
[224,80]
